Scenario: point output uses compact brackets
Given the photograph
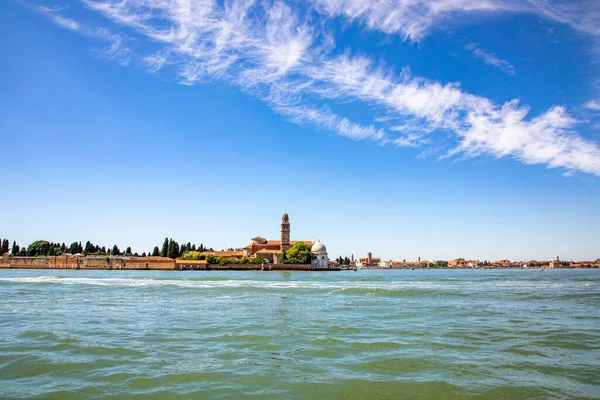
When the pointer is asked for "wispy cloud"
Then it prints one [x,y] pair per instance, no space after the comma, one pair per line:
[592,105]
[491,59]
[58,19]
[414,19]
[115,48]
[282,55]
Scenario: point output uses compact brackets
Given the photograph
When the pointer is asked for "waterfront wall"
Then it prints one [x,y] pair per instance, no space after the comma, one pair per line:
[67,261]
[51,262]
[268,267]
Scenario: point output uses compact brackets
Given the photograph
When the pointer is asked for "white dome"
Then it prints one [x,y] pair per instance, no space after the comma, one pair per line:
[318,247]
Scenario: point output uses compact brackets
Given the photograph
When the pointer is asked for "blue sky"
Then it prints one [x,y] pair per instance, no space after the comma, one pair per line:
[438,129]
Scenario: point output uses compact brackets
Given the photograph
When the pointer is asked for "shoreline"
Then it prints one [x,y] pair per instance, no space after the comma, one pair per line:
[81,262]
[285,267]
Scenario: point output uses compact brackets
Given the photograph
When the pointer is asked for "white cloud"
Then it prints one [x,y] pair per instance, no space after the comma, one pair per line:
[592,105]
[491,59]
[283,56]
[414,19]
[67,23]
[547,139]
[116,49]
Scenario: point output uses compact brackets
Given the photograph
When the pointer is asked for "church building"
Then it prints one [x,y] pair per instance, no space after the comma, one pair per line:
[274,250]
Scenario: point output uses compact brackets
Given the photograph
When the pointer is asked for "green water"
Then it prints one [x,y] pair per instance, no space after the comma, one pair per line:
[302,335]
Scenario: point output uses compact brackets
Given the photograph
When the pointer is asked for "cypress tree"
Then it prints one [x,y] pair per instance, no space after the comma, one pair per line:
[170,249]
[5,246]
[15,248]
[165,248]
[115,250]
[128,251]
[155,251]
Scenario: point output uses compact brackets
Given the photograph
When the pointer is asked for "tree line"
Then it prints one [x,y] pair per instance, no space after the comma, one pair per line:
[170,248]
[343,260]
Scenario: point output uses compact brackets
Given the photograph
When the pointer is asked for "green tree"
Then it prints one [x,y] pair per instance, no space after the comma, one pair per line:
[15,248]
[169,249]
[299,253]
[155,252]
[128,251]
[115,251]
[173,249]
[5,246]
[39,248]
[165,248]
[193,255]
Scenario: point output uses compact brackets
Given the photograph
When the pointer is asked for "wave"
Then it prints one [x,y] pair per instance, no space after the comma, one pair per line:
[343,287]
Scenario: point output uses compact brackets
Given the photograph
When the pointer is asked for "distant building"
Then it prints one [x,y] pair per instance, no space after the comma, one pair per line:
[273,250]
[319,255]
[462,263]
[368,262]
[586,264]
[409,264]
[555,263]
[458,263]
[504,264]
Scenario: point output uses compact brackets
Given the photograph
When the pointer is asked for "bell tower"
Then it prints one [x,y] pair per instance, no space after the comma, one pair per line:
[285,233]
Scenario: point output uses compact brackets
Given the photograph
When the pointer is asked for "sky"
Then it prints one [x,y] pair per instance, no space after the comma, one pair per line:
[436,129]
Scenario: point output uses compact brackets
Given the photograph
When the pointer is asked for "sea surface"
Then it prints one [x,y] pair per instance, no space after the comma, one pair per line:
[423,334]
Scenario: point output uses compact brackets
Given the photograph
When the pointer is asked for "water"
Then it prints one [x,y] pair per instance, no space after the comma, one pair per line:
[273,335]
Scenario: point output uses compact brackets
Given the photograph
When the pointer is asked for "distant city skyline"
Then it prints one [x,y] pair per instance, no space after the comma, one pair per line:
[433,129]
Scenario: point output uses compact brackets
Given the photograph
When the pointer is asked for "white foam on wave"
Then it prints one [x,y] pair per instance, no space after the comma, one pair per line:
[273,284]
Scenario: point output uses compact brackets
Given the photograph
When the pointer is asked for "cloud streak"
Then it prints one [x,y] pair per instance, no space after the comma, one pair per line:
[283,56]
[414,19]
[115,48]
[491,59]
